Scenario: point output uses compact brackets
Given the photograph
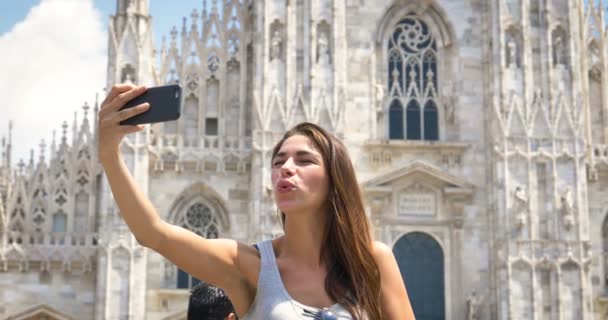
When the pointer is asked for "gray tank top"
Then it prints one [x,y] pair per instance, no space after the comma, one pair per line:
[272,301]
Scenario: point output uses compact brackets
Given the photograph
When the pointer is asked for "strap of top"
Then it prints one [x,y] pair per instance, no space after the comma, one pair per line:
[269,273]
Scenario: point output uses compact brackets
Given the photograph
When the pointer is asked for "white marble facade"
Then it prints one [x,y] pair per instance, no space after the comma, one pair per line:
[481,126]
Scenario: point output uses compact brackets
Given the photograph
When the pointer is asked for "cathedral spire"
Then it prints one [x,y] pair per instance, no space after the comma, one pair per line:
[64,136]
[204,15]
[131,48]
[31,165]
[6,147]
[130,7]
[75,128]
[53,144]
[42,151]
[95,117]
[5,160]
[84,126]
[4,163]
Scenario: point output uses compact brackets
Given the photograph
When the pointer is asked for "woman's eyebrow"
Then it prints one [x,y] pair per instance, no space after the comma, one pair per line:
[299,153]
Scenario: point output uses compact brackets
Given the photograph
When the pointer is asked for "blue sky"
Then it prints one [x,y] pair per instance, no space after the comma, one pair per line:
[165,14]
[54,56]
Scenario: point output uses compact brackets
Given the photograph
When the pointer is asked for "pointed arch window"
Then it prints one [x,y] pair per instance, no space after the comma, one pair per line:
[396,120]
[431,125]
[200,219]
[412,116]
[412,77]
[81,212]
[60,222]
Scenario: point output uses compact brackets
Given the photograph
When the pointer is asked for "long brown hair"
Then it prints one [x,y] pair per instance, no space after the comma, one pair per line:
[353,279]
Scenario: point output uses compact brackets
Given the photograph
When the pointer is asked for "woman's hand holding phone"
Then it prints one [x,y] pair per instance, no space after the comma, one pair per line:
[110,116]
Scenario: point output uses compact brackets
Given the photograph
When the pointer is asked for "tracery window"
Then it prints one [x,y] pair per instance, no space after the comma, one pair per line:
[201,220]
[412,81]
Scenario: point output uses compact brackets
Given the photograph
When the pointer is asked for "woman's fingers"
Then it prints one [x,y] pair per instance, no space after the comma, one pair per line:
[121,99]
[130,112]
[115,91]
[125,97]
[131,129]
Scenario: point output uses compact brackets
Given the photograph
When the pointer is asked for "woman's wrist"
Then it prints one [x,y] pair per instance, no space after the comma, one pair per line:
[109,156]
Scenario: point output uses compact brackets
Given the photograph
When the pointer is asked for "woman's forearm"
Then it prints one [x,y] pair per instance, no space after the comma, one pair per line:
[135,208]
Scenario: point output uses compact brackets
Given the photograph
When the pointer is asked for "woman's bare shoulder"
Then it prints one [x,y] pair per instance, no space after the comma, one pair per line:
[381,251]
[394,299]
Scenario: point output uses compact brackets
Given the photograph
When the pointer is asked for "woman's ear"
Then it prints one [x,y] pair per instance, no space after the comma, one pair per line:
[231,316]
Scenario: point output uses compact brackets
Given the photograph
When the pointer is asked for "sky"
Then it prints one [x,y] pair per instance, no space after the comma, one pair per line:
[53,60]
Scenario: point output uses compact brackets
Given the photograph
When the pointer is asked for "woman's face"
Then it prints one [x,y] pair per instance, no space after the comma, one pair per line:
[298,176]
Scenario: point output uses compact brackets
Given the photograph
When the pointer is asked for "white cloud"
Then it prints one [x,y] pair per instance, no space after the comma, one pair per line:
[51,63]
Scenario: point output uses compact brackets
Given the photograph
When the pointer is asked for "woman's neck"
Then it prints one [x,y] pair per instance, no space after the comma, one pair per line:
[303,239]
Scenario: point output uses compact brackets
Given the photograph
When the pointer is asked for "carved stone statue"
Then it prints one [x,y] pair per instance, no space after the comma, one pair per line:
[448,100]
[275,45]
[129,78]
[592,173]
[520,207]
[323,53]
[130,6]
[276,77]
[567,208]
[128,74]
[379,96]
[558,50]
[521,195]
[512,54]
[450,108]
[566,201]
[473,306]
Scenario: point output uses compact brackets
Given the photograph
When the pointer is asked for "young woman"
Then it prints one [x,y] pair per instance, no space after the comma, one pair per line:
[326,266]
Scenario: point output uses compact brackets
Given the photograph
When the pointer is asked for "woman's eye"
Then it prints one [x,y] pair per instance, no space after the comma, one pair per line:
[278,163]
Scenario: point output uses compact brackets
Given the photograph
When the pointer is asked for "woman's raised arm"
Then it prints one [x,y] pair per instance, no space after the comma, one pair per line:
[222,262]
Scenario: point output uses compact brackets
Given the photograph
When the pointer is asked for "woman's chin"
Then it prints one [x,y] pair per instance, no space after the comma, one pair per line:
[288,206]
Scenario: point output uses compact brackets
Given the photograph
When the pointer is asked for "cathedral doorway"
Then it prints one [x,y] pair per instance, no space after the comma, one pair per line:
[421,261]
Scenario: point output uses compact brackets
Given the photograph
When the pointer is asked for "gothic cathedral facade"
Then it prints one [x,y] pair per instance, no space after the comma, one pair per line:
[478,129]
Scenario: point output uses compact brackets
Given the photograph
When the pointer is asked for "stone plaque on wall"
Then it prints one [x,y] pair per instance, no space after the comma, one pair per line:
[416,204]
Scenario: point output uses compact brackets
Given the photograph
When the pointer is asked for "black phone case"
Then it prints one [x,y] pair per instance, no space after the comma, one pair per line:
[165,105]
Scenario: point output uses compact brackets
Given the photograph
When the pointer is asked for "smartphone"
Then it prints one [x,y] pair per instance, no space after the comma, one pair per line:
[165,105]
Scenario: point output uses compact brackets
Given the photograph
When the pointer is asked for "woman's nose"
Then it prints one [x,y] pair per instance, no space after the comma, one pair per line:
[287,169]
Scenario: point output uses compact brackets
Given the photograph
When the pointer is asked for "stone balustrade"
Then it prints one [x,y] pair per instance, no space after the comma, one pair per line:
[52,239]
[232,143]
